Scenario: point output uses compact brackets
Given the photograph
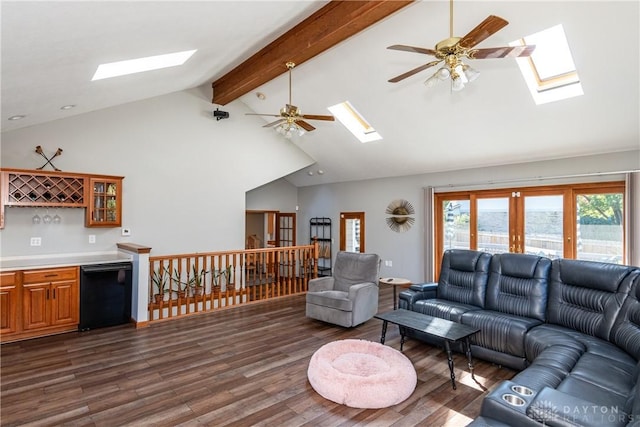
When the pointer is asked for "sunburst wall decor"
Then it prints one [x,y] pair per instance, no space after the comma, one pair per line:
[400,219]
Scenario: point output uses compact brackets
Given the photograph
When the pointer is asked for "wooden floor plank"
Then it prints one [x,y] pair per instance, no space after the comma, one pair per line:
[237,367]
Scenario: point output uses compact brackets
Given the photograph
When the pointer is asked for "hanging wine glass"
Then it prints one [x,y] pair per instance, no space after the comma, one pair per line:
[56,218]
[35,219]
[47,218]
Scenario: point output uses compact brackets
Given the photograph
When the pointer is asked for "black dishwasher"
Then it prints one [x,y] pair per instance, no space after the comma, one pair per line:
[105,295]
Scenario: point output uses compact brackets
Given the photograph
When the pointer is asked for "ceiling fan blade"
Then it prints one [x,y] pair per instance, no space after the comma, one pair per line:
[502,52]
[412,49]
[258,114]
[486,28]
[414,71]
[277,122]
[304,125]
[317,117]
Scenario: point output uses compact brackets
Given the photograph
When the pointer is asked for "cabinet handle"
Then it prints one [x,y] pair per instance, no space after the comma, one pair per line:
[54,294]
[51,275]
[47,293]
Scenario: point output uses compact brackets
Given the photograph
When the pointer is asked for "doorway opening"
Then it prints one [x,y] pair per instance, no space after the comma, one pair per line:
[352,231]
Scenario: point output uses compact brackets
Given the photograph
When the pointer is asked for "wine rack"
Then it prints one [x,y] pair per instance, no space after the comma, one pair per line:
[44,190]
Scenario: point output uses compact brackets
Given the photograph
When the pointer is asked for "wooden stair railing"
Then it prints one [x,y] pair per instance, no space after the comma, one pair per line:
[186,284]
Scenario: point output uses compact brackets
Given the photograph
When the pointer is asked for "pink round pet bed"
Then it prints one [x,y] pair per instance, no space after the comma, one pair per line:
[361,374]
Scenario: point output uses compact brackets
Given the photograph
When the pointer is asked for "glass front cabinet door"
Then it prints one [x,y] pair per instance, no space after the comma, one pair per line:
[105,202]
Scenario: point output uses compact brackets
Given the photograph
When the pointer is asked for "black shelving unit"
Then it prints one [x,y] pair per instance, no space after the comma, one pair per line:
[320,228]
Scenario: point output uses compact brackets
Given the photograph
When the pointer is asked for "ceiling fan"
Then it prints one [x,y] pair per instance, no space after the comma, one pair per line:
[452,50]
[291,120]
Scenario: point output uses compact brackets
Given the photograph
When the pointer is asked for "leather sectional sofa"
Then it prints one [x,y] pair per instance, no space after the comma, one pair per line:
[572,329]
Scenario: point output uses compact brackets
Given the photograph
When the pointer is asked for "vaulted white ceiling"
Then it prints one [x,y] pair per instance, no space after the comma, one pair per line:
[50,51]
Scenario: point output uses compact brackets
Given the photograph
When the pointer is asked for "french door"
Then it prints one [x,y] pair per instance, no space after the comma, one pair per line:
[550,221]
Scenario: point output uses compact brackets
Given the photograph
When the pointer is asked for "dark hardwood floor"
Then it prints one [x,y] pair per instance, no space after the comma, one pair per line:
[237,367]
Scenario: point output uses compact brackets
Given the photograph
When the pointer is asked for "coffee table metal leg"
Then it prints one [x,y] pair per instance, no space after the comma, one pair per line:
[384,331]
[402,335]
[469,357]
[450,360]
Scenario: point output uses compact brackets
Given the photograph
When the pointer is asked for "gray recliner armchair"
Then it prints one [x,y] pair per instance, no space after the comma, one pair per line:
[350,296]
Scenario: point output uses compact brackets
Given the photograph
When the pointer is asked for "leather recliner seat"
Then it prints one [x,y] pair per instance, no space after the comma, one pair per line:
[572,329]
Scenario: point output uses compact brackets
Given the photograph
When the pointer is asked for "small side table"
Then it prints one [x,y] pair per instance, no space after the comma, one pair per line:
[395,281]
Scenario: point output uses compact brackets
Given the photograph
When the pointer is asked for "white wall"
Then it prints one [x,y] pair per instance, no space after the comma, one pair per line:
[407,250]
[186,174]
[278,195]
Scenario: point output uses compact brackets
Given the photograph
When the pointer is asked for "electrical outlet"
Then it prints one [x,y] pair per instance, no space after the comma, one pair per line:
[126,232]
[36,241]
[388,263]
[92,238]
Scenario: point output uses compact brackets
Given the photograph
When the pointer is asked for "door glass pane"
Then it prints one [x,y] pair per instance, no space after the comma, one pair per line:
[352,230]
[493,225]
[599,232]
[543,226]
[456,220]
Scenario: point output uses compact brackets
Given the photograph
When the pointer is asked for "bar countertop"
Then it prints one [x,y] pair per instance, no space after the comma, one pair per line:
[54,261]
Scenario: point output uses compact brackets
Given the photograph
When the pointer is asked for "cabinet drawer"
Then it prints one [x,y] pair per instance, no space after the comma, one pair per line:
[7,279]
[51,275]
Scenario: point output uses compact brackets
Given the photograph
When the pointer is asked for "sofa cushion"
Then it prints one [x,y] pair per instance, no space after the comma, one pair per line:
[546,335]
[463,276]
[586,296]
[331,299]
[499,331]
[550,368]
[443,309]
[617,378]
[517,285]
[352,268]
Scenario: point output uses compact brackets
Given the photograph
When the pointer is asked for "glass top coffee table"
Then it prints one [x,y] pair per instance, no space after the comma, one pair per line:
[447,330]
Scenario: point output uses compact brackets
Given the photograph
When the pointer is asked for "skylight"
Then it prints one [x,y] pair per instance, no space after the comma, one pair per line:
[550,71]
[352,120]
[131,66]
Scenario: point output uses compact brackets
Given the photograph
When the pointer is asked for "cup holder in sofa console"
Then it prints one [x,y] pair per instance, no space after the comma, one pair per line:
[512,399]
[522,390]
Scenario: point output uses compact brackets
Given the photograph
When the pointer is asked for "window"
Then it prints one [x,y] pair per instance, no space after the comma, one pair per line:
[599,226]
[580,221]
[352,120]
[132,66]
[549,72]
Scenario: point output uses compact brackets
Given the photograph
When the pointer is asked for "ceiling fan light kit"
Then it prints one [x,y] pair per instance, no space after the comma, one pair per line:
[453,50]
[291,121]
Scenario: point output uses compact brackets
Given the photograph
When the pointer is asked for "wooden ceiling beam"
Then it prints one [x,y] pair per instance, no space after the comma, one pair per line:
[328,26]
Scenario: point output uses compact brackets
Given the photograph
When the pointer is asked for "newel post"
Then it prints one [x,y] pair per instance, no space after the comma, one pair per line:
[140,285]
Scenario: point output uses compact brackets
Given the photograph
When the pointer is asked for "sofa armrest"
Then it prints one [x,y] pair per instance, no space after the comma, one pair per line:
[418,292]
[321,284]
[361,288]
[558,409]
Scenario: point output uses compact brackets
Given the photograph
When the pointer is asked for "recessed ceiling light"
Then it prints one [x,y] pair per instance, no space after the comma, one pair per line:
[261,96]
[67,107]
[131,66]
[17,117]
